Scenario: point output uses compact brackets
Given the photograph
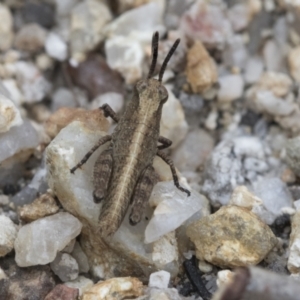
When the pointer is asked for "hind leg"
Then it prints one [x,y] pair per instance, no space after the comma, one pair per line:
[141,194]
[102,173]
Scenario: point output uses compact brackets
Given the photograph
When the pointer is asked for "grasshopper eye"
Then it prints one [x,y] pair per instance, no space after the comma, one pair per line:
[141,86]
[163,94]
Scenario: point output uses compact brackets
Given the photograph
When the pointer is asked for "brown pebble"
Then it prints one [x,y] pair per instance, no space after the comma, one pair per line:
[31,37]
[201,70]
[115,288]
[93,119]
[96,77]
[231,237]
[43,206]
[63,292]
[288,176]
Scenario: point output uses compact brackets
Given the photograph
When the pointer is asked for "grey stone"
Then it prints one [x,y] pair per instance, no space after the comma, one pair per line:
[65,267]
[293,154]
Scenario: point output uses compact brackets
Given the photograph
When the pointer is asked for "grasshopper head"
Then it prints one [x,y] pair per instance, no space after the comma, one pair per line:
[151,89]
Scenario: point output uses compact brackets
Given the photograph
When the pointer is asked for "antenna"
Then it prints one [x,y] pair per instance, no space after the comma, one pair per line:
[155,38]
[164,65]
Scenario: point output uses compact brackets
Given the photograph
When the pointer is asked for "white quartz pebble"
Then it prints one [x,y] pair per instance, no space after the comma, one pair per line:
[159,279]
[174,207]
[9,114]
[38,242]
[8,233]
[56,47]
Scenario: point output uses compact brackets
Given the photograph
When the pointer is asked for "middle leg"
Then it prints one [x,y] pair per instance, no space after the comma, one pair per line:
[168,160]
[165,143]
[109,112]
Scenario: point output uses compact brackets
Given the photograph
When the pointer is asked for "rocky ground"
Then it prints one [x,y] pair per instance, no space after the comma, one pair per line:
[233,115]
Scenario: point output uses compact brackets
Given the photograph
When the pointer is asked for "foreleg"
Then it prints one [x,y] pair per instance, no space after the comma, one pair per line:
[101,142]
[169,161]
[109,112]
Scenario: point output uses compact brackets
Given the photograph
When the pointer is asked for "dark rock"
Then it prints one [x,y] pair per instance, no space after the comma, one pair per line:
[63,292]
[250,118]
[194,275]
[280,224]
[38,12]
[10,189]
[32,283]
[96,77]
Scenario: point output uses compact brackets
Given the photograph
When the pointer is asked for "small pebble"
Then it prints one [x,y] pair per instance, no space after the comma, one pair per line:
[8,234]
[224,277]
[32,83]
[207,22]
[119,288]
[63,97]
[6,28]
[114,100]
[253,69]
[159,280]
[81,283]
[288,176]
[293,263]
[43,206]
[2,274]
[239,16]
[81,258]
[274,194]
[42,13]
[205,267]
[273,56]
[86,27]
[44,62]
[201,70]
[242,197]
[96,76]
[65,267]
[173,124]
[9,114]
[193,152]
[231,88]
[293,154]
[31,38]
[294,63]
[17,139]
[69,248]
[63,292]
[165,253]
[125,55]
[4,200]
[56,47]
[65,115]
[132,22]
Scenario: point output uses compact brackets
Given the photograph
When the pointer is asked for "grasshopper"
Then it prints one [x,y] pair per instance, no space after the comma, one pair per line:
[123,174]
